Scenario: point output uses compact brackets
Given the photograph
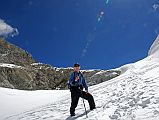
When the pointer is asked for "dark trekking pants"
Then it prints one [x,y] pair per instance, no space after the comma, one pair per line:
[76,94]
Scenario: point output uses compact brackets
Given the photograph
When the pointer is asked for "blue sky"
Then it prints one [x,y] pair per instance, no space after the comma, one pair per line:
[99,34]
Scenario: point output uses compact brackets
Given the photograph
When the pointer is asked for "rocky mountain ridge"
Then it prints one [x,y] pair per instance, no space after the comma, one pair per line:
[18,70]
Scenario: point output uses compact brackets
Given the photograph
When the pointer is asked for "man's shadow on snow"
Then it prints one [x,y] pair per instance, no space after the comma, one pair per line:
[75,117]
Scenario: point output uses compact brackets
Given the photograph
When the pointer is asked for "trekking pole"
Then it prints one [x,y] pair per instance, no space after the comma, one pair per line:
[84,104]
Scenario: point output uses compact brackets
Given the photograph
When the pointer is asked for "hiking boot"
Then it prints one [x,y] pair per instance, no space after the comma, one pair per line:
[92,108]
[73,114]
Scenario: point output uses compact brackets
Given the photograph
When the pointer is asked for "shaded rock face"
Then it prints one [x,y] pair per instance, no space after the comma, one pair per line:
[18,70]
[98,76]
[12,54]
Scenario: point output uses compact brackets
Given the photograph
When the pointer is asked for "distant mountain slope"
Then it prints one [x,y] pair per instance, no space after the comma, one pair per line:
[19,70]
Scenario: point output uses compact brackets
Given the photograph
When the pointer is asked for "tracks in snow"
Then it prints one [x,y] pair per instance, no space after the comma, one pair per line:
[131,96]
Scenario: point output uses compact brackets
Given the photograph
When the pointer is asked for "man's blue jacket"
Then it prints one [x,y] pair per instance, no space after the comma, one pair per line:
[81,81]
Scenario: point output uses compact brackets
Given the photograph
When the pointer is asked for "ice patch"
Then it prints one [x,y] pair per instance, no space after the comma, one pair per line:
[9,65]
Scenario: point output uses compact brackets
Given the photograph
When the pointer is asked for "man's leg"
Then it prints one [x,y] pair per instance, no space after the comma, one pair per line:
[90,99]
[74,102]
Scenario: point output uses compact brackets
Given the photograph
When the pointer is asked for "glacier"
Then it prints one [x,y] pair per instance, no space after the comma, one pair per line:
[134,95]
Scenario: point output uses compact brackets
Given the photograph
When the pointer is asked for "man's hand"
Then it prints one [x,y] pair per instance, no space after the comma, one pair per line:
[77,78]
[86,91]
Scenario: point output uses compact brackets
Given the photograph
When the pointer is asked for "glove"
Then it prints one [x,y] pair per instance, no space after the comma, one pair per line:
[86,91]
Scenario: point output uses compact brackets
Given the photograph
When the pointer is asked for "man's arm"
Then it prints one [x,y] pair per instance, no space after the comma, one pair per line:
[70,80]
[85,84]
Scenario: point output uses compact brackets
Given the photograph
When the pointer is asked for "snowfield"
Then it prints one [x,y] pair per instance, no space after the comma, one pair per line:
[16,101]
[134,95]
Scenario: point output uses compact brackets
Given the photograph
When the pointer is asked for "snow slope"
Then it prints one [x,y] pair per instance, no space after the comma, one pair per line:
[16,101]
[154,50]
[134,95]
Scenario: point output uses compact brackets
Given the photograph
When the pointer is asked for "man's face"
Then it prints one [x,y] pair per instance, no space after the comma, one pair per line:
[77,69]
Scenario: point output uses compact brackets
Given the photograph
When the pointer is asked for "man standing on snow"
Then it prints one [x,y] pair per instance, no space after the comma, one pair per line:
[76,84]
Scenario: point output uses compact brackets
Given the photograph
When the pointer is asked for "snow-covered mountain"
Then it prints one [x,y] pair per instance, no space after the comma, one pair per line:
[134,95]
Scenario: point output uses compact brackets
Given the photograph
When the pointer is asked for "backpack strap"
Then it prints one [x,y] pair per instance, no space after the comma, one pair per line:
[81,74]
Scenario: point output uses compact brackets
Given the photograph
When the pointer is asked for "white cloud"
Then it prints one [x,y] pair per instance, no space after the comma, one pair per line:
[6,30]
[155,6]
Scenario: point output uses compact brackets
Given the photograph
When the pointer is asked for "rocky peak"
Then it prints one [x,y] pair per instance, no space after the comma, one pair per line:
[12,54]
